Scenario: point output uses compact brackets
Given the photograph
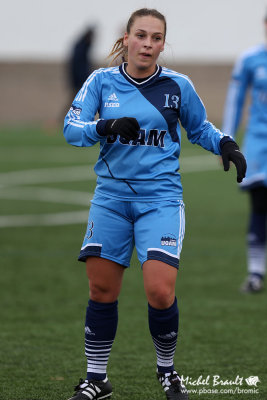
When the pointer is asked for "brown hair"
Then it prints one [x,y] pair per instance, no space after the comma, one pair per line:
[118,49]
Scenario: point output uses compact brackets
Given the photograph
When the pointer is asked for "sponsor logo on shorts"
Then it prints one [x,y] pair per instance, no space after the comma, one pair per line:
[168,240]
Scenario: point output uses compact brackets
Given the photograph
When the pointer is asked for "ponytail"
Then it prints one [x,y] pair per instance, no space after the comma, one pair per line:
[118,50]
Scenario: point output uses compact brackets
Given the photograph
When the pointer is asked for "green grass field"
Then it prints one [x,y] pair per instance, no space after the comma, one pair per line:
[45,186]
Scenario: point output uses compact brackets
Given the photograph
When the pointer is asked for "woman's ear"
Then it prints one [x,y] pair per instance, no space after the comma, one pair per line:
[125,39]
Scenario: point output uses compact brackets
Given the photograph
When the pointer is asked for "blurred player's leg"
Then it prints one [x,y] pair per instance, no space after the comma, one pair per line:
[256,241]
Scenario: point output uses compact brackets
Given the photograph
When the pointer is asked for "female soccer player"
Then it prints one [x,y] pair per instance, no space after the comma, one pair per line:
[250,73]
[138,197]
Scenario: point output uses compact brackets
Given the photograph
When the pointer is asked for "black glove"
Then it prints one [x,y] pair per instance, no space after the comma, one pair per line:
[230,152]
[126,127]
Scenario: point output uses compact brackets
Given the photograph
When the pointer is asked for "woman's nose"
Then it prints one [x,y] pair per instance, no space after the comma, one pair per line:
[148,42]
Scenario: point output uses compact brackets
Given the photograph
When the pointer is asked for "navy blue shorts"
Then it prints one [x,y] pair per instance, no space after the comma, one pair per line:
[155,228]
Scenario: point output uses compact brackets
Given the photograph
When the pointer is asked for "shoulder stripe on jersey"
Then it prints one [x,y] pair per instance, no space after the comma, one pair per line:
[81,95]
[167,71]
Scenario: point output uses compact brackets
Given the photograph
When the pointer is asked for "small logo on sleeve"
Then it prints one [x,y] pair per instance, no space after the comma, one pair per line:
[75,112]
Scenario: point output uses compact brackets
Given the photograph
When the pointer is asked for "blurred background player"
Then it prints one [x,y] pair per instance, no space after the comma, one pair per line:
[79,65]
[250,74]
[80,62]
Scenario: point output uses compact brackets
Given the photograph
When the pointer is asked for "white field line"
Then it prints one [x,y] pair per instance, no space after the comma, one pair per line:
[66,218]
[50,195]
[199,163]
[67,174]
[47,175]
[81,173]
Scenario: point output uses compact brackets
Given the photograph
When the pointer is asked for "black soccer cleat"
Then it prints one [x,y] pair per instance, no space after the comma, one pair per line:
[253,284]
[173,386]
[92,390]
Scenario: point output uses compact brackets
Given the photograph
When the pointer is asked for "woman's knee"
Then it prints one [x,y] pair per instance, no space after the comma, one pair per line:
[159,283]
[101,292]
[105,278]
[160,296]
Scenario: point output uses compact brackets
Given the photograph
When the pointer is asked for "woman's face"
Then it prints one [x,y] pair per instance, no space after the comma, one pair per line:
[145,42]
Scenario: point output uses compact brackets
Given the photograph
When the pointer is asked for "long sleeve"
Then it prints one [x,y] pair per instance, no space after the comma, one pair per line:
[193,118]
[79,125]
[236,96]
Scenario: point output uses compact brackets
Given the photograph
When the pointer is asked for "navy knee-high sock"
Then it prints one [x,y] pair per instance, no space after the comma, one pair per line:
[163,325]
[100,330]
[256,241]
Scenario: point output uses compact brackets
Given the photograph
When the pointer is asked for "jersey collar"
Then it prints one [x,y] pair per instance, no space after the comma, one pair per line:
[151,78]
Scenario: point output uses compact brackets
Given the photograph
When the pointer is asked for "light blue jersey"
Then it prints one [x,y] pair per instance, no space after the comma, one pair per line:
[250,72]
[146,168]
